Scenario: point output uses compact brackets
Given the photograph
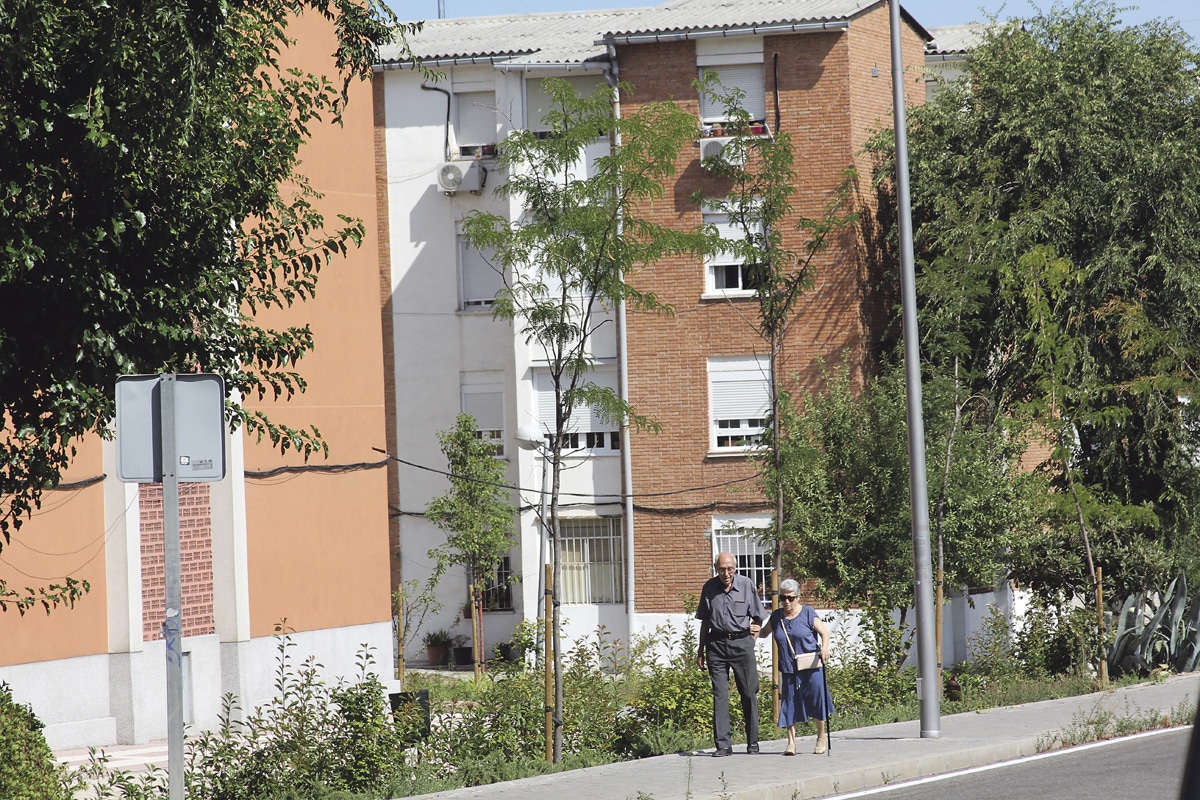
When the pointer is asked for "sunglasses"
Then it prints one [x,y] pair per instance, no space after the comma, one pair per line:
[787,598]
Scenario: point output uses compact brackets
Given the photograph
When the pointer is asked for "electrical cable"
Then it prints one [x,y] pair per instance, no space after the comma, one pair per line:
[608,497]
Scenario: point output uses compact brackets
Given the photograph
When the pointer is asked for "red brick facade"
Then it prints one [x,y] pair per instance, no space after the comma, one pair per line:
[830,99]
[195,557]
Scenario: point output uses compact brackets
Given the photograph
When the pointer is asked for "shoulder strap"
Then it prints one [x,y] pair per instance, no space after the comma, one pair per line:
[787,635]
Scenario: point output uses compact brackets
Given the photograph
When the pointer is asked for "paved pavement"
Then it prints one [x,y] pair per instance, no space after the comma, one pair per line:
[861,758]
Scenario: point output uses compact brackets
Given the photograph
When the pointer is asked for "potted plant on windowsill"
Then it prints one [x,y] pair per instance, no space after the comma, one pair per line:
[437,647]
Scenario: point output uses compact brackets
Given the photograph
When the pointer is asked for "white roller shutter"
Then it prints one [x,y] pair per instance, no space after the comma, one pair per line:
[537,102]
[476,118]
[486,407]
[748,78]
[728,231]
[481,279]
[740,388]
[583,419]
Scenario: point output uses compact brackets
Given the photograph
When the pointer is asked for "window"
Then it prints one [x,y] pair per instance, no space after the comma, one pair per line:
[592,560]
[482,278]
[739,398]
[586,432]
[727,273]
[476,131]
[497,595]
[486,405]
[748,78]
[740,538]
[538,103]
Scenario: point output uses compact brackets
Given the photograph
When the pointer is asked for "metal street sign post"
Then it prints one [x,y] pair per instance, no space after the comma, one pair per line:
[170,428]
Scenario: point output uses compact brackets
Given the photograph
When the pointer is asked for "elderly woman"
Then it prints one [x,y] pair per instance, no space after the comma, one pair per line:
[798,629]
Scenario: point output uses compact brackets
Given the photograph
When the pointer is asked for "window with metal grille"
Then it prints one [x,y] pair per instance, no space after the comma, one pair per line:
[593,561]
[754,560]
[497,595]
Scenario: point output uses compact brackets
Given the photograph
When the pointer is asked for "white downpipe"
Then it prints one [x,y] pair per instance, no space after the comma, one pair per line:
[623,393]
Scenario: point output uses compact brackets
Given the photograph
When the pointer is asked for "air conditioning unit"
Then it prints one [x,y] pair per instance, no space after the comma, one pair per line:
[730,150]
[461,176]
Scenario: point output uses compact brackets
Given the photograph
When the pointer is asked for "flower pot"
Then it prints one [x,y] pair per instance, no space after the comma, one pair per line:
[463,657]
[438,654]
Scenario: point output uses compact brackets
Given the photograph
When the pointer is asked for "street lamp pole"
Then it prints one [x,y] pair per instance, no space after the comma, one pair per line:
[927,689]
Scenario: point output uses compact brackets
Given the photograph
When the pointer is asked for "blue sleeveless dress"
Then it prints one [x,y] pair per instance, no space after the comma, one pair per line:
[802,695]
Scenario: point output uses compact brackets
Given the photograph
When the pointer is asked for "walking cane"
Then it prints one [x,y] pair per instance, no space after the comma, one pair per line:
[826,700]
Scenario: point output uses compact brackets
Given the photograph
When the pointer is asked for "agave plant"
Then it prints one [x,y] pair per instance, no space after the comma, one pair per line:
[1155,630]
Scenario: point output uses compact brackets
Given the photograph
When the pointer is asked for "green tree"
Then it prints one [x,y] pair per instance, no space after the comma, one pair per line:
[1055,207]
[568,259]
[845,480]
[152,204]
[475,513]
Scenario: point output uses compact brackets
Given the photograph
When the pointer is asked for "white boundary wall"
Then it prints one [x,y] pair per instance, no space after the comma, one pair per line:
[121,698]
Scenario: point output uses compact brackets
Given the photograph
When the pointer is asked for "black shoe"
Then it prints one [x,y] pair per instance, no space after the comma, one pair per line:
[721,752]
[752,748]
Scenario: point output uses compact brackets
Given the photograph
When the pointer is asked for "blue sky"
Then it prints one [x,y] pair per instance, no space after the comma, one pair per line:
[930,13]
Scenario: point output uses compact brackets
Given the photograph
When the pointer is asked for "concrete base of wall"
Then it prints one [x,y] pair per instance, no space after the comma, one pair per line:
[120,698]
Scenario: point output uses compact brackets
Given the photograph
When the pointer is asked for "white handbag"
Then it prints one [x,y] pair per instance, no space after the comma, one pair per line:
[807,661]
[804,661]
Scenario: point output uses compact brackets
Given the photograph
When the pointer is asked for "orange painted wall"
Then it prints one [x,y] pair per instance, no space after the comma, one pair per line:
[65,537]
[318,542]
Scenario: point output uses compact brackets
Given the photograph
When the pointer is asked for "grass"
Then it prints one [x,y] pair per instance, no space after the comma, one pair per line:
[1103,723]
[995,694]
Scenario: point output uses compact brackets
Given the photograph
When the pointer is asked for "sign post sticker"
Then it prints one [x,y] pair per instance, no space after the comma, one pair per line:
[199,427]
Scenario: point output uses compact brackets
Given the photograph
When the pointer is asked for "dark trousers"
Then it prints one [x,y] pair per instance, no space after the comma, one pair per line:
[723,655]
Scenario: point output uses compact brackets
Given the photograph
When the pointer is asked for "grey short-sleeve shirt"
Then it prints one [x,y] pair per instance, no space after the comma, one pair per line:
[730,610]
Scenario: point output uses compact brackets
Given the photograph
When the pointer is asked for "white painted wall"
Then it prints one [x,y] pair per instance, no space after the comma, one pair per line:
[121,698]
[436,344]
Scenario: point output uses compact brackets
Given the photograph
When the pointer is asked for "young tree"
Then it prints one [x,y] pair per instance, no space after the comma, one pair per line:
[569,257]
[476,515]
[1055,208]
[152,205]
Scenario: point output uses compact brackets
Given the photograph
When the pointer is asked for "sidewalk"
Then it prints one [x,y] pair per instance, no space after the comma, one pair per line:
[861,758]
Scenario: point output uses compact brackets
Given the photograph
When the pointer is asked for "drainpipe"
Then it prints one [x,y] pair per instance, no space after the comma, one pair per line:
[612,75]
[446,125]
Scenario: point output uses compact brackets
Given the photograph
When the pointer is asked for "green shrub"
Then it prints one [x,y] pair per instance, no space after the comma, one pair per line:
[992,652]
[676,695]
[309,741]
[28,770]
[1058,639]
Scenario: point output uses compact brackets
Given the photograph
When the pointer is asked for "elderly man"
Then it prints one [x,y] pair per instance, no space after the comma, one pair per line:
[730,614]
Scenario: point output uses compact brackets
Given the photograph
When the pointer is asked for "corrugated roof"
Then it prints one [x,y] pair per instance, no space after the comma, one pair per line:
[578,37]
[554,38]
[955,39]
[698,15]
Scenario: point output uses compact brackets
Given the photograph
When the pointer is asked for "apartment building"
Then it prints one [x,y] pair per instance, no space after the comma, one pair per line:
[276,541]
[946,53]
[645,516]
